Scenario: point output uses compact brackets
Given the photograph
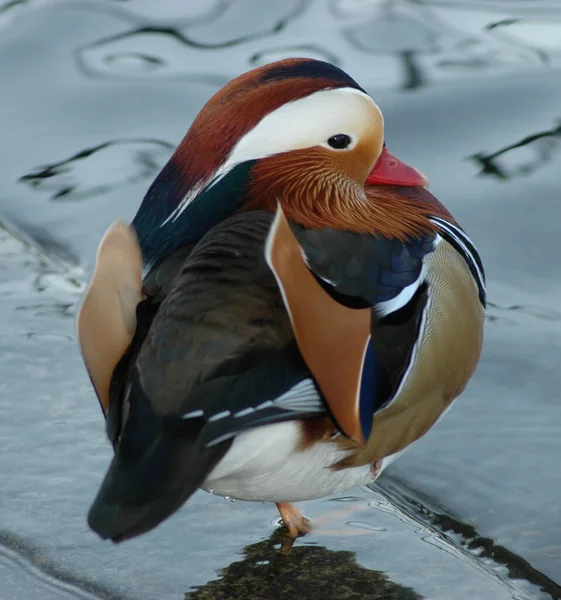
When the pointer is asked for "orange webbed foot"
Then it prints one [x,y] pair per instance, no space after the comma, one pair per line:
[296,524]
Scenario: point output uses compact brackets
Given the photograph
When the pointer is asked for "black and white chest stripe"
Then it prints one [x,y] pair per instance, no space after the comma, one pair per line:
[405,302]
[383,309]
[458,238]
[461,242]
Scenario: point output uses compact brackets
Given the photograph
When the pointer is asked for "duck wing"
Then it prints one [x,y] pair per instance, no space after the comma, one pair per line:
[215,357]
[391,329]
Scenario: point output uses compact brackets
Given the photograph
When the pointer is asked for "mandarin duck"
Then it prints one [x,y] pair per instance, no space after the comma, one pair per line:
[288,311]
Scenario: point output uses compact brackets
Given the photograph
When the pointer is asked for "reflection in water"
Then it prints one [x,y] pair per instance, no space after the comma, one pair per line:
[402,43]
[466,536]
[245,20]
[100,169]
[409,43]
[168,10]
[432,40]
[399,31]
[133,61]
[4,6]
[41,578]
[171,49]
[519,313]
[531,153]
[497,28]
[49,309]
[10,10]
[425,41]
[145,51]
[305,572]
[55,262]
[309,50]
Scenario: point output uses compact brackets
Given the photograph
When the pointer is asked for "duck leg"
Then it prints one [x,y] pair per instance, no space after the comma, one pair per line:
[295,523]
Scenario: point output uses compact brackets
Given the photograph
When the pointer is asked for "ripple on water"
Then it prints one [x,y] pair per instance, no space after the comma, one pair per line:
[311,51]
[452,39]
[168,11]
[99,170]
[32,582]
[423,42]
[523,157]
[245,20]
[113,68]
[181,48]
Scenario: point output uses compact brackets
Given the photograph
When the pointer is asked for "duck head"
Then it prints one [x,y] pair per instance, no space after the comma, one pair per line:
[300,132]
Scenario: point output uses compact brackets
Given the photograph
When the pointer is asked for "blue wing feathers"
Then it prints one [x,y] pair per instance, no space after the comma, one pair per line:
[375,389]
[368,267]
[367,387]
[366,270]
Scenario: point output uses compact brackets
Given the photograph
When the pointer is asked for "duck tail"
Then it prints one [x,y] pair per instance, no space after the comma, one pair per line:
[158,464]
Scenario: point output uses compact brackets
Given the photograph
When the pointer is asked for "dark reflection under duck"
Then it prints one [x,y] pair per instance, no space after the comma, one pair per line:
[310,572]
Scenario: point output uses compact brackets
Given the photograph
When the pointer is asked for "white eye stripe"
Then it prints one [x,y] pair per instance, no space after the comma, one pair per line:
[302,123]
[309,121]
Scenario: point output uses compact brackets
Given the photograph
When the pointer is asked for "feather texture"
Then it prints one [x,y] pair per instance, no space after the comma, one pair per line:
[215,358]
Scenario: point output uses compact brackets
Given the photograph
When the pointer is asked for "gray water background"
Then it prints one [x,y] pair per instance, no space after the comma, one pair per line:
[94,95]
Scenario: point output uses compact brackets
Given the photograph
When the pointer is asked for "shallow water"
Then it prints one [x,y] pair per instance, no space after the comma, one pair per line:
[93,97]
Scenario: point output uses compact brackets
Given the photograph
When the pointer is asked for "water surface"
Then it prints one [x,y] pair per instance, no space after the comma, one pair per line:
[94,96]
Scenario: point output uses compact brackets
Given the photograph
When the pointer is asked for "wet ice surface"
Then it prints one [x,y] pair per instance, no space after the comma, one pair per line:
[54,454]
[470,93]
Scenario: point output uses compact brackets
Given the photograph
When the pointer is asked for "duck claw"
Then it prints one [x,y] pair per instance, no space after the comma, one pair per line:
[296,524]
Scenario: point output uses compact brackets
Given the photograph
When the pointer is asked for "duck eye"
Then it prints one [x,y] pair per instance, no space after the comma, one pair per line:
[339,141]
